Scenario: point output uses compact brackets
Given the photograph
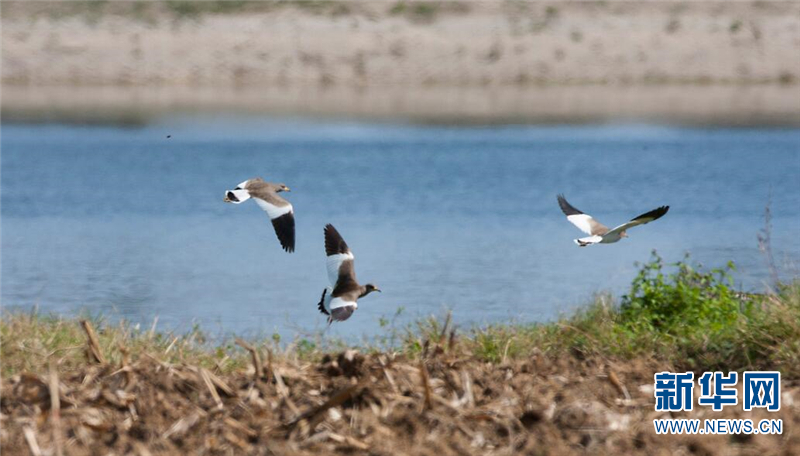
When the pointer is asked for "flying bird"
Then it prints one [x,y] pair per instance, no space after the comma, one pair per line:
[339,301]
[265,194]
[599,233]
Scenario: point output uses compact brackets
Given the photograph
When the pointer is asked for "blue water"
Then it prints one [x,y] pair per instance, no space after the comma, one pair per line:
[130,223]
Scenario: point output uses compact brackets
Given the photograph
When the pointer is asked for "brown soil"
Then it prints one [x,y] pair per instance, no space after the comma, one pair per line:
[363,404]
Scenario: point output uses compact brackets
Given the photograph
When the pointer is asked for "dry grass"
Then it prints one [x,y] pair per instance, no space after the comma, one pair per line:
[79,388]
[580,385]
[441,402]
[30,340]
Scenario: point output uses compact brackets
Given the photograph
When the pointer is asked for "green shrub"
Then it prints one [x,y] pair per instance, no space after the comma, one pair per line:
[683,302]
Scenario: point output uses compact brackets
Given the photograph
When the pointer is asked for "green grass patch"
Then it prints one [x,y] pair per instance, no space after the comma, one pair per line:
[28,341]
[681,314]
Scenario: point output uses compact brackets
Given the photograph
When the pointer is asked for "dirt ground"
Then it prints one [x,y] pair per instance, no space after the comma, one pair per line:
[375,404]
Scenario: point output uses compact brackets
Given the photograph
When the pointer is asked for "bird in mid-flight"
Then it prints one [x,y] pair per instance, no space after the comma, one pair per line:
[339,301]
[599,233]
[265,194]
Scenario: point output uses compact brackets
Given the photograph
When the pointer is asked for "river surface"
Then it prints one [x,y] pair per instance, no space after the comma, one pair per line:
[129,222]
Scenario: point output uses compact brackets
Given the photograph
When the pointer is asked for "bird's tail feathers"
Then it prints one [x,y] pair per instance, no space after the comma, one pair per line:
[236,196]
[324,306]
[583,242]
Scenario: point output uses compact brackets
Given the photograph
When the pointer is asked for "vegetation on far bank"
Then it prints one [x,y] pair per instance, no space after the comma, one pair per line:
[152,11]
[683,315]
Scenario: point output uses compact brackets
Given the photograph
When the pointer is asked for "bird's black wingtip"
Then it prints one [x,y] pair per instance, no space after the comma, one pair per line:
[284,229]
[567,208]
[655,214]
[334,243]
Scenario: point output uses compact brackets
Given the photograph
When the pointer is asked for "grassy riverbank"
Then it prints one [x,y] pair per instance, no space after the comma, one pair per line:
[580,384]
[678,314]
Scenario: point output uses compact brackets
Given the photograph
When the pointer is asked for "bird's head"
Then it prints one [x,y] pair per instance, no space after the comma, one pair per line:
[369,288]
[230,197]
[282,188]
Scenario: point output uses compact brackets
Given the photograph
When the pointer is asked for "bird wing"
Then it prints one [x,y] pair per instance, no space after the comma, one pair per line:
[281,213]
[584,222]
[340,258]
[647,217]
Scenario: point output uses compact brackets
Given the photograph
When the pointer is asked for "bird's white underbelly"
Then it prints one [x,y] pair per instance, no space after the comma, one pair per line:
[335,303]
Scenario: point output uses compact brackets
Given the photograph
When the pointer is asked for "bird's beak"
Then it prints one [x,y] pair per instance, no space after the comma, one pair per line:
[226,199]
[287,189]
[378,290]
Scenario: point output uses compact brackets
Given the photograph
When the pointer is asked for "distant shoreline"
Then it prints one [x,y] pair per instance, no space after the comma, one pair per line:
[732,105]
[709,63]
[384,43]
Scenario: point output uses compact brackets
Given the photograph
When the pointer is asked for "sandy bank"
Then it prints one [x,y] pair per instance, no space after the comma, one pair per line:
[707,62]
[377,44]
